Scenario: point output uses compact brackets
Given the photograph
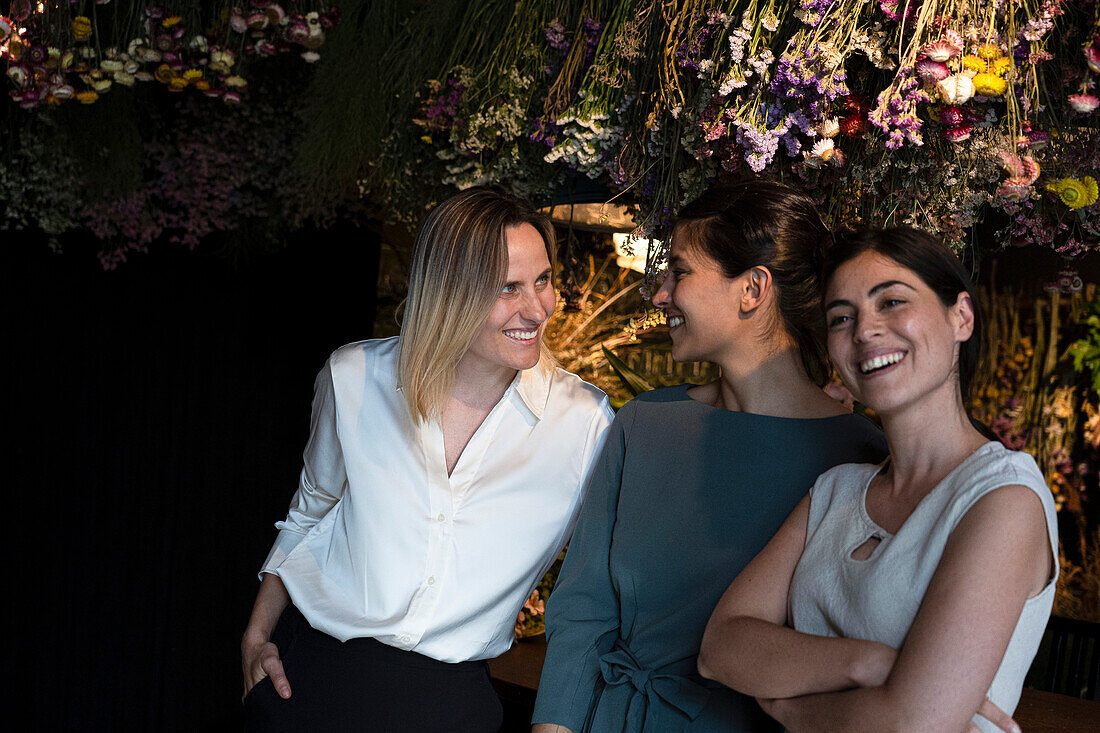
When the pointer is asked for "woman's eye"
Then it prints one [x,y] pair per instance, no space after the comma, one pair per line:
[508,289]
[891,302]
[543,280]
[837,321]
[678,274]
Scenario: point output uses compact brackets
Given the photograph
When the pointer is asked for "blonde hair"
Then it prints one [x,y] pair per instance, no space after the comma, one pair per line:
[458,269]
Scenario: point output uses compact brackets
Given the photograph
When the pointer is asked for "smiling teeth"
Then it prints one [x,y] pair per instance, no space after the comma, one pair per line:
[674,321]
[521,335]
[880,361]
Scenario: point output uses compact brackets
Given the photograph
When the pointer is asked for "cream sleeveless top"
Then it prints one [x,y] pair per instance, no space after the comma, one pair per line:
[877,598]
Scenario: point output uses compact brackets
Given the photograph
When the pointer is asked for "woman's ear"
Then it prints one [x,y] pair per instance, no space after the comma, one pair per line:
[963,317]
[757,288]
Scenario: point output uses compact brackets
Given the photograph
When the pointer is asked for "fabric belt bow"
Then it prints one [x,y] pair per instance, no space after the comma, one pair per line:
[662,699]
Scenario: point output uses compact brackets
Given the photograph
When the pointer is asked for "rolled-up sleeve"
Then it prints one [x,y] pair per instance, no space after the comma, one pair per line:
[582,617]
[323,478]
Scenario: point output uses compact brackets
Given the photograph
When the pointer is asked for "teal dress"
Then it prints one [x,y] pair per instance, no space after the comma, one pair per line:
[683,496]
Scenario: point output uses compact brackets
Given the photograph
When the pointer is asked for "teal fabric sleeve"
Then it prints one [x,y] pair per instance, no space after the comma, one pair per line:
[583,610]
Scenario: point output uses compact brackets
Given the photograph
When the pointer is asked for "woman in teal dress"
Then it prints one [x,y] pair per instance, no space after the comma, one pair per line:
[694,480]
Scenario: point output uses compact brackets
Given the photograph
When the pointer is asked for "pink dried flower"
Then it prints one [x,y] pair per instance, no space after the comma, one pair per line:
[931,71]
[1083,102]
[959,133]
[237,23]
[1022,170]
[941,50]
[1092,57]
[297,30]
[951,116]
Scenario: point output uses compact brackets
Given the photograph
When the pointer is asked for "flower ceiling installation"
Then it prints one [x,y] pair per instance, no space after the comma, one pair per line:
[935,114]
[81,49]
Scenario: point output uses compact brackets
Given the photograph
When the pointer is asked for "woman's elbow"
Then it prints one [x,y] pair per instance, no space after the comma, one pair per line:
[714,647]
[704,665]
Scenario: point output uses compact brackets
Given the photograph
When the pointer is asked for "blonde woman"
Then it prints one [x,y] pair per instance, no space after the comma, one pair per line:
[442,476]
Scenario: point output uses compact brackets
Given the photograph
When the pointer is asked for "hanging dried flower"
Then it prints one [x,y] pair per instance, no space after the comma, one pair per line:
[931,71]
[82,29]
[951,116]
[956,89]
[942,50]
[1083,102]
[959,133]
[989,85]
[1075,193]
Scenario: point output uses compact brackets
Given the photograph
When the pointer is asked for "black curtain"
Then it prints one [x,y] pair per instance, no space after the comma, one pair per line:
[157,413]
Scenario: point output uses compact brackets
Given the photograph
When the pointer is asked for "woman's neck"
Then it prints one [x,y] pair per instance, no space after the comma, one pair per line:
[772,383]
[481,385]
[928,440]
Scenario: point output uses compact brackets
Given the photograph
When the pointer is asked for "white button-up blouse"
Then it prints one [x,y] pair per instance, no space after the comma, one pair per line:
[381,542]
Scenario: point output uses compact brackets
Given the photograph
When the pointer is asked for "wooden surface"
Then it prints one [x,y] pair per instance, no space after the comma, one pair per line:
[1038,712]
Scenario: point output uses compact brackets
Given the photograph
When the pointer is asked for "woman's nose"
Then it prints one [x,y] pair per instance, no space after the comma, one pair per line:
[663,297]
[868,326]
[532,308]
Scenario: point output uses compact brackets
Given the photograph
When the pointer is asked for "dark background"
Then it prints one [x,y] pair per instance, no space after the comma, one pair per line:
[157,415]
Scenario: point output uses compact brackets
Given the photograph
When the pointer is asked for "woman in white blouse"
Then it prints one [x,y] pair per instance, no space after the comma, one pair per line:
[907,595]
[443,475]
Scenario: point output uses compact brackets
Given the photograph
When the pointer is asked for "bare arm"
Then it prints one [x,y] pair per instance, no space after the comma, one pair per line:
[549,728]
[259,657]
[997,557]
[747,646]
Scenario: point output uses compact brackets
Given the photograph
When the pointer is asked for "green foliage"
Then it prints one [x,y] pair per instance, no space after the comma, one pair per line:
[1085,352]
[634,382]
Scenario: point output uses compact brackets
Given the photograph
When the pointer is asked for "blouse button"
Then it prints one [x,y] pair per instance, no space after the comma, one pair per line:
[441,518]
[431,580]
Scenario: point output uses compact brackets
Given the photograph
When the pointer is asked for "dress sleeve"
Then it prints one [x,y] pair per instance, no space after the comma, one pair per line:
[582,615]
[323,478]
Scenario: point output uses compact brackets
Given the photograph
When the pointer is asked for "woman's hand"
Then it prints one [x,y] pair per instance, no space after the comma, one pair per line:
[996,716]
[549,728]
[987,710]
[259,657]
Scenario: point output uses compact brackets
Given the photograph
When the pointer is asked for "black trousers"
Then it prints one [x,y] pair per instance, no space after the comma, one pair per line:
[365,685]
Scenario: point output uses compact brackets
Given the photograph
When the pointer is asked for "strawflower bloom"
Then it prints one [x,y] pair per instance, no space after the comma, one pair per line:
[1075,193]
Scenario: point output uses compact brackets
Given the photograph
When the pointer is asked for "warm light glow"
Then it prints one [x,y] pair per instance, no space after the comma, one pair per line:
[631,253]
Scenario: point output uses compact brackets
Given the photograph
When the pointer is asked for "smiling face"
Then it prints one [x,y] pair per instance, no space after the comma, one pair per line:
[700,303]
[511,337]
[892,340]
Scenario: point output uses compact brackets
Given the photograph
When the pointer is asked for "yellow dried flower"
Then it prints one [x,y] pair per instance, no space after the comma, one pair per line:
[192,74]
[975,64]
[1000,66]
[202,85]
[1075,192]
[86,97]
[82,29]
[164,74]
[170,21]
[989,51]
[989,85]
